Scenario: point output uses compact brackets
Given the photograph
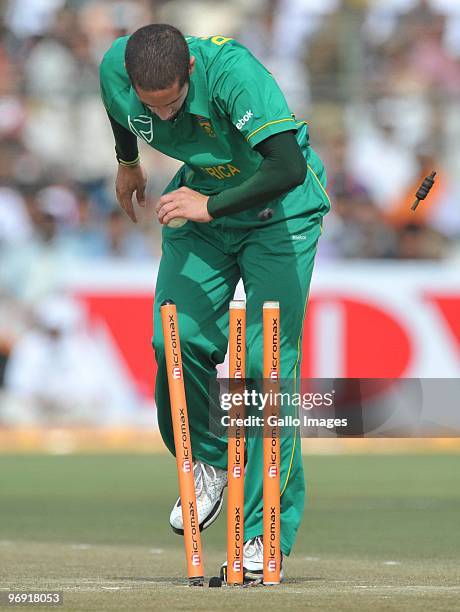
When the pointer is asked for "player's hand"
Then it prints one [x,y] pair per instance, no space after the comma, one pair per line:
[130,180]
[184,203]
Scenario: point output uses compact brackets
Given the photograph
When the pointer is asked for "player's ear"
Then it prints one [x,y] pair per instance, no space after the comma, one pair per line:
[191,65]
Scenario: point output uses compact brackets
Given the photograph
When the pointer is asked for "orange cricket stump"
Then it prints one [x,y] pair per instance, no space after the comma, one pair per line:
[271,446]
[182,443]
[236,445]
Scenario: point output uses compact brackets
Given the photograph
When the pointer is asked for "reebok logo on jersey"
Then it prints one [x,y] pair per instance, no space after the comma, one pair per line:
[244,119]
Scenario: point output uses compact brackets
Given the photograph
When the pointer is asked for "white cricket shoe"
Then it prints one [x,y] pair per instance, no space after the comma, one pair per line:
[210,483]
[253,562]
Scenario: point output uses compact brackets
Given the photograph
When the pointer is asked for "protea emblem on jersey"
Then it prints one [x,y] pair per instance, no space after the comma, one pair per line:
[205,124]
[142,126]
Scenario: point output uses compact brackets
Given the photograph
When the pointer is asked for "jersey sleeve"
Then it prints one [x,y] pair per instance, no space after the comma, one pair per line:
[250,96]
[113,79]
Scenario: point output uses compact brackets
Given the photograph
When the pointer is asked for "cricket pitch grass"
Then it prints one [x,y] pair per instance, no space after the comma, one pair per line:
[380,532]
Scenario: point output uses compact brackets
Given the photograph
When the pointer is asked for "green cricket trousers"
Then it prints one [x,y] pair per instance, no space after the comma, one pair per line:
[200,267]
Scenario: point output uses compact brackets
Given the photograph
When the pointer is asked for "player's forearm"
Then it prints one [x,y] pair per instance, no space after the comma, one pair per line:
[283,168]
[125,143]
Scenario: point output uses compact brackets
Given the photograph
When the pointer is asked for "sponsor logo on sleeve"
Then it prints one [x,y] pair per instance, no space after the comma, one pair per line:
[244,119]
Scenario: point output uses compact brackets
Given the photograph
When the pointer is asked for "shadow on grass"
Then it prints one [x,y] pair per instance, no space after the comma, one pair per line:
[183,581]
[153,579]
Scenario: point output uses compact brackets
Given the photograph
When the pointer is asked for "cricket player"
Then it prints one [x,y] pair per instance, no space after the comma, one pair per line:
[249,200]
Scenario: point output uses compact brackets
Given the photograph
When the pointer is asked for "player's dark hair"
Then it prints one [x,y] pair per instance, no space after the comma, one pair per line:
[156,57]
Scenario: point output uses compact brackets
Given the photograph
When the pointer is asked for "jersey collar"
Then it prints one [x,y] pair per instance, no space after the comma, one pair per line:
[197,101]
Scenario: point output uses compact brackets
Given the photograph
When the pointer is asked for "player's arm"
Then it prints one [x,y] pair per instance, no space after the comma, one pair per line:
[126,149]
[130,176]
[283,168]
[246,89]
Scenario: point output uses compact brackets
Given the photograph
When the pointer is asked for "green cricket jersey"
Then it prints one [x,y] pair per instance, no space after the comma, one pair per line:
[233,104]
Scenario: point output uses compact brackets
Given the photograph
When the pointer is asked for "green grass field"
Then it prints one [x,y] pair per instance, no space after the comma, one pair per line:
[379,533]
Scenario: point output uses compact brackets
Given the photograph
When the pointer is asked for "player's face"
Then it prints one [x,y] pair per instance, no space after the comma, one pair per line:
[165,103]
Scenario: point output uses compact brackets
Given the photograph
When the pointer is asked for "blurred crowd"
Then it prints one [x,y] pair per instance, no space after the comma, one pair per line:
[377,80]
